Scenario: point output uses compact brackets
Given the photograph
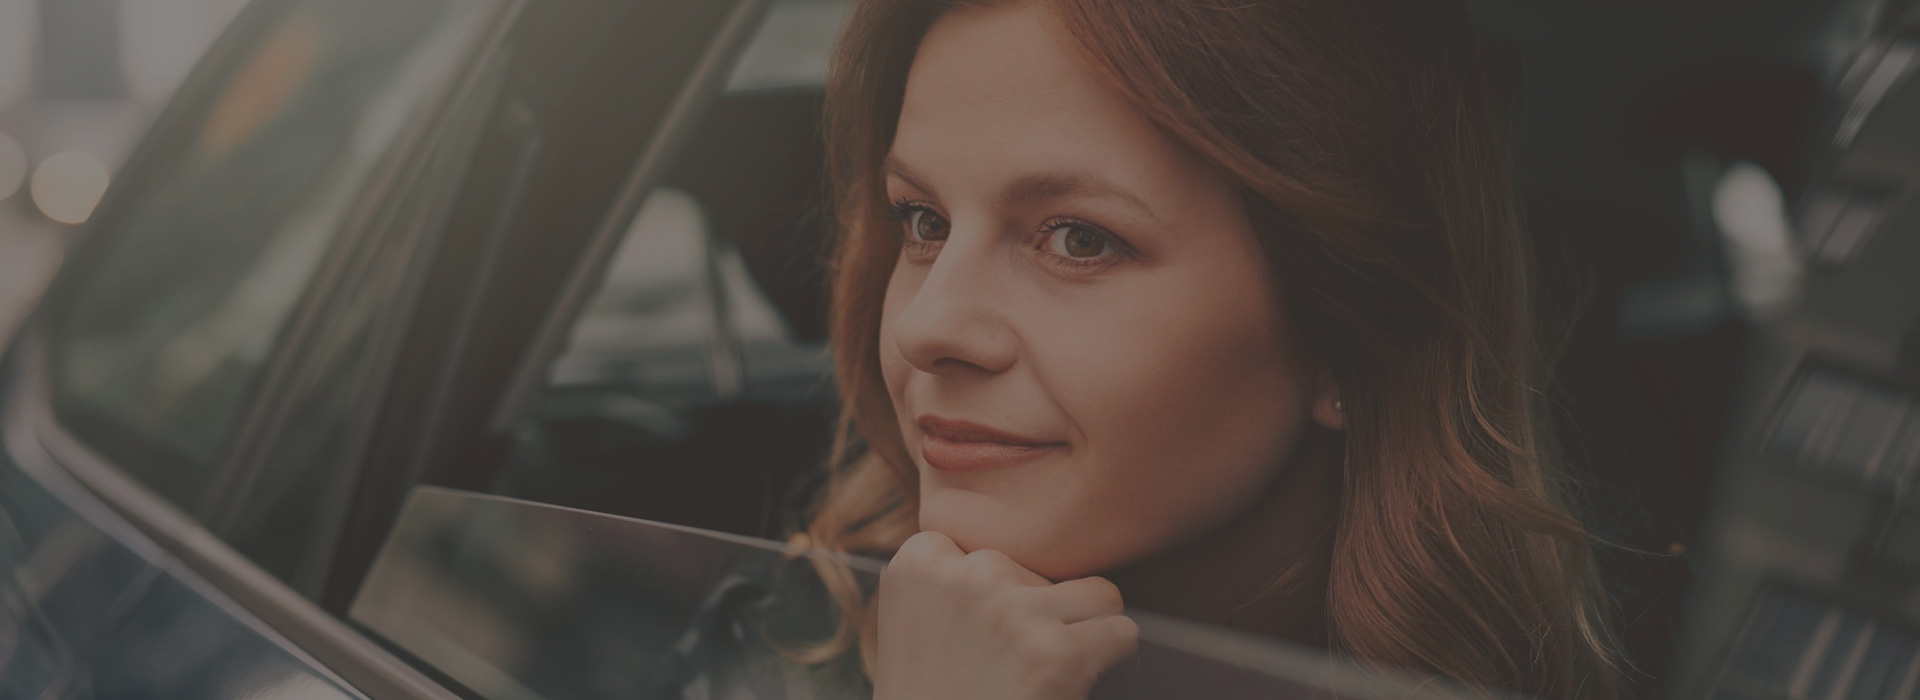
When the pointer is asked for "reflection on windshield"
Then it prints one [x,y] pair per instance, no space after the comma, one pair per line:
[519,600]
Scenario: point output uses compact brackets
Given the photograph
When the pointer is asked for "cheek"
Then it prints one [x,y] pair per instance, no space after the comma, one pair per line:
[901,286]
[1184,392]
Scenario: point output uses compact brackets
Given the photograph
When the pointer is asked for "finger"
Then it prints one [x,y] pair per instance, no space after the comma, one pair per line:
[994,566]
[919,560]
[1077,600]
[927,546]
[1108,639]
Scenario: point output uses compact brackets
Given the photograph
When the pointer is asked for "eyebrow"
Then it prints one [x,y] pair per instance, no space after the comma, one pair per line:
[894,167]
[1039,187]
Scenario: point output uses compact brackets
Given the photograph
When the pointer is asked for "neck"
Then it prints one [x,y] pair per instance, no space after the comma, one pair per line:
[1226,577]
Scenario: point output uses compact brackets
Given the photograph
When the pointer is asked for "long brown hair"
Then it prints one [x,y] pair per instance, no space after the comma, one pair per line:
[1371,155]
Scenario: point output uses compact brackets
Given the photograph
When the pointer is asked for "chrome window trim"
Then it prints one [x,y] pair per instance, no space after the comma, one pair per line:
[48,453]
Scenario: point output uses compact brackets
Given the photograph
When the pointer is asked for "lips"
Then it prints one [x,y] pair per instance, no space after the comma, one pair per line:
[960,446]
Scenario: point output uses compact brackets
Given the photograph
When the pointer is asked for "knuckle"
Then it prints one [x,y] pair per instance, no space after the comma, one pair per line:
[919,557]
[925,544]
[900,568]
[981,569]
[1105,592]
[1125,630]
[989,557]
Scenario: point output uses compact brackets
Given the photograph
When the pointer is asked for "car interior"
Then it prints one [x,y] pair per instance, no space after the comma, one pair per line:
[1659,327]
[1724,196]
[1662,301]
[635,425]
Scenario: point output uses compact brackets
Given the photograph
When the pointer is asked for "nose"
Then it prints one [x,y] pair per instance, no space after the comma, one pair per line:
[954,323]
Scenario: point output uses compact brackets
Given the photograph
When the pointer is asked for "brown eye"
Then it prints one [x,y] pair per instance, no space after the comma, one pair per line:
[924,225]
[1084,244]
[1079,243]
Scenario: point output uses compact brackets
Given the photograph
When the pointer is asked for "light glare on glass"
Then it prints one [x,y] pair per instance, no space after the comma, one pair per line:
[67,186]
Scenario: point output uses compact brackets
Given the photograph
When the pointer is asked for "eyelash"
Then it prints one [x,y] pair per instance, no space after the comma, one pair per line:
[902,211]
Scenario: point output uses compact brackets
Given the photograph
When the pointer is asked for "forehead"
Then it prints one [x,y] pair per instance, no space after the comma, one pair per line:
[1004,90]
[1005,54]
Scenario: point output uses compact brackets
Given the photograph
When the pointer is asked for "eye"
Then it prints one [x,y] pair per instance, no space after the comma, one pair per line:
[1081,243]
[923,225]
[1076,246]
[1078,242]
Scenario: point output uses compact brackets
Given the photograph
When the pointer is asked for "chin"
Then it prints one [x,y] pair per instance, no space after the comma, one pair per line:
[1031,534]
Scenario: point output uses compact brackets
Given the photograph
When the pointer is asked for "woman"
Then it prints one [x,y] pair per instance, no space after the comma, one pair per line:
[1220,310]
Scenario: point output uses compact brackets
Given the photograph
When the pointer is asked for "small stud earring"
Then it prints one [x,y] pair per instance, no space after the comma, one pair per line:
[1337,406]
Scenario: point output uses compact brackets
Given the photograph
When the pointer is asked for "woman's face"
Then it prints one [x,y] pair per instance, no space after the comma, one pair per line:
[1080,338]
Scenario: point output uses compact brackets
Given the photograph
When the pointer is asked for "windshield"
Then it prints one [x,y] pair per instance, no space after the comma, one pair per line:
[519,600]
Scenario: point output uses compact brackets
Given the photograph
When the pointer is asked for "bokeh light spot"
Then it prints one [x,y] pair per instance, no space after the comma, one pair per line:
[68,185]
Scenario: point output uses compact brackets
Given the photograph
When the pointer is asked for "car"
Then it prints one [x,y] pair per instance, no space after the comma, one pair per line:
[475,348]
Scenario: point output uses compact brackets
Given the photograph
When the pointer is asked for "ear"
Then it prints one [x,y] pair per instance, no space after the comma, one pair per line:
[1328,409]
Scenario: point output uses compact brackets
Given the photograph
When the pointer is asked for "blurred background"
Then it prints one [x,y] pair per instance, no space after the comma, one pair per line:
[79,82]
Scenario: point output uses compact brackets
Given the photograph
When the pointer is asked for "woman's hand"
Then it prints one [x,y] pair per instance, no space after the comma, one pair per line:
[976,625]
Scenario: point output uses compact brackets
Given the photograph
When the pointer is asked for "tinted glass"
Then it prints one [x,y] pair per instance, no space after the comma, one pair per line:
[284,510]
[163,340]
[695,387]
[519,600]
[89,610]
[59,568]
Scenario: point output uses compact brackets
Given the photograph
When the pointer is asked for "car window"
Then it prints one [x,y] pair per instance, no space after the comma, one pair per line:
[282,510]
[161,342]
[522,600]
[694,387]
